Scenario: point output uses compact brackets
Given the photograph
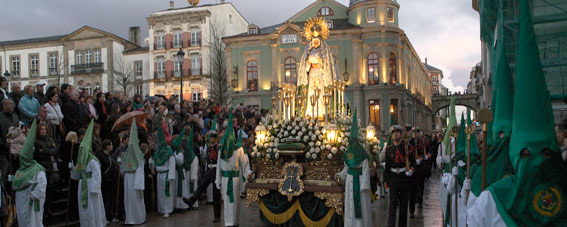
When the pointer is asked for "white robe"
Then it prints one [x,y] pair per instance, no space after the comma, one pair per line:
[165,203]
[27,216]
[238,159]
[482,211]
[134,196]
[94,215]
[365,206]
[193,176]
[179,204]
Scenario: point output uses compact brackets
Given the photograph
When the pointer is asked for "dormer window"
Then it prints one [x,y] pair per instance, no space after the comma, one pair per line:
[253,30]
[325,11]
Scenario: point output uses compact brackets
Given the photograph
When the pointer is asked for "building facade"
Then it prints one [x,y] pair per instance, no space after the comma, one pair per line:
[387,82]
[188,29]
[87,58]
[437,88]
[550,25]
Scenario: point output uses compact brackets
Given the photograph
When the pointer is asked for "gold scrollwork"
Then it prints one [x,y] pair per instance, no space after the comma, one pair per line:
[270,172]
[253,195]
[317,174]
[333,200]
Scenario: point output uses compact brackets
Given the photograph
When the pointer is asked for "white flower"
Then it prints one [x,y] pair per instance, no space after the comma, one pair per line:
[311,133]
[301,124]
[255,149]
[308,154]
[323,130]
[311,144]
[305,139]
[285,133]
[334,150]
[293,132]
[296,128]
[280,135]
[297,119]
[312,150]
[322,147]
[276,144]
[300,133]
[318,143]
[266,145]
[330,156]
[289,127]
[310,127]
[277,155]
[271,144]
[320,137]
[293,124]
[343,148]
[313,156]
[258,154]
[260,145]
[313,137]
[328,147]
[317,150]
[276,140]
[317,132]
[269,150]
[340,139]
[303,129]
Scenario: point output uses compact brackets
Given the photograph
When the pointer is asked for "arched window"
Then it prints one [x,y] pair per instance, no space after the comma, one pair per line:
[392,69]
[89,89]
[252,75]
[325,11]
[290,71]
[373,75]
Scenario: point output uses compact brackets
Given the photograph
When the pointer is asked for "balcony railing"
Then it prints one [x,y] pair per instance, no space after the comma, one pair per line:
[173,75]
[87,68]
[53,71]
[195,44]
[34,72]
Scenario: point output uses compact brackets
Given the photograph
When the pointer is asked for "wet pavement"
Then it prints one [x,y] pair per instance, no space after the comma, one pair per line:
[429,215]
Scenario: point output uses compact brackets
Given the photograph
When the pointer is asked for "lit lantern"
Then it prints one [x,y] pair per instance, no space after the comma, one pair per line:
[331,133]
[370,132]
[391,108]
[260,134]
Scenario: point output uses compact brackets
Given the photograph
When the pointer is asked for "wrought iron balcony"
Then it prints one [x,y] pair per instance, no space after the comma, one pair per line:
[87,68]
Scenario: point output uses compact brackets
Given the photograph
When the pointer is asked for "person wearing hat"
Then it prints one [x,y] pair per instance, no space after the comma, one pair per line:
[87,171]
[211,160]
[164,162]
[134,184]
[30,184]
[39,93]
[356,175]
[400,165]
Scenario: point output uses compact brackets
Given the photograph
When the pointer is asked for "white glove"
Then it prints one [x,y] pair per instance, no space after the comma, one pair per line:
[426,157]
[446,159]
[467,184]
[409,173]
[383,164]
[455,171]
[119,159]
[10,177]
[71,165]
[151,161]
[218,186]
[461,163]
[417,161]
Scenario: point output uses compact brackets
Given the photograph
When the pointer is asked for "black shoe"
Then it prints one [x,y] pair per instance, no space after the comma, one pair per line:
[194,208]
[216,220]
[189,201]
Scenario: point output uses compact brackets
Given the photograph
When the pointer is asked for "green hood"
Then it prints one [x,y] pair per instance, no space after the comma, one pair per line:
[134,156]
[83,158]
[189,153]
[461,148]
[228,142]
[452,122]
[176,145]
[535,194]
[28,166]
[355,153]
[163,151]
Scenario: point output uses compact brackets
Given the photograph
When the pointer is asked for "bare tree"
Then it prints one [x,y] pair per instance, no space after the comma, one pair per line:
[219,74]
[123,75]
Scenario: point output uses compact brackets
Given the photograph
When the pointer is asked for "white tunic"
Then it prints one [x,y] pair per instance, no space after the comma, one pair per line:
[134,196]
[365,206]
[93,215]
[237,160]
[27,216]
[179,204]
[482,211]
[193,176]
[165,203]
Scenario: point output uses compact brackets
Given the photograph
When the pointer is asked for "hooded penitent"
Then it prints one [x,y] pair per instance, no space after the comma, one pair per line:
[133,156]
[461,149]
[83,158]
[178,148]
[163,151]
[534,194]
[28,166]
[228,142]
[353,156]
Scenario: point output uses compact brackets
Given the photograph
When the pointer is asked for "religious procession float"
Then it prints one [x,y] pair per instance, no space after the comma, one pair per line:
[299,151]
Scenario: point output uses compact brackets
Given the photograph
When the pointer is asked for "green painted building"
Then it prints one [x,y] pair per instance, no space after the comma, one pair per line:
[387,82]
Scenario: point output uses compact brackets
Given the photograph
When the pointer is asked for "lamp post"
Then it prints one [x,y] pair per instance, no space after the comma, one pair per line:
[180,55]
[7,74]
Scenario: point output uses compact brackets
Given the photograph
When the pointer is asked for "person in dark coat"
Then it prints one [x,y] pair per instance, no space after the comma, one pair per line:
[7,118]
[109,169]
[76,114]
[46,154]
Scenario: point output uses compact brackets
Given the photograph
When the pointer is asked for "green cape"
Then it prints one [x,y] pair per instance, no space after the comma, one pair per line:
[355,153]
[176,145]
[83,158]
[535,194]
[163,151]
[133,156]
[28,166]
[452,122]
[228,142]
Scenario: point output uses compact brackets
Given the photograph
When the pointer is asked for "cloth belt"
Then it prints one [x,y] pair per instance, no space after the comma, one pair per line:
[210,166]
[180,178]
[398,170]
[229,186]
[355,173]
[34,202]
[84,190]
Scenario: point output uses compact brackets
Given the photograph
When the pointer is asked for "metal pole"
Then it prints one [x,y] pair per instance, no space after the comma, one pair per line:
[181,81]
[484,138]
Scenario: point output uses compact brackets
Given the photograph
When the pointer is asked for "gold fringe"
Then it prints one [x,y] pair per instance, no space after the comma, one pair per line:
[279,219]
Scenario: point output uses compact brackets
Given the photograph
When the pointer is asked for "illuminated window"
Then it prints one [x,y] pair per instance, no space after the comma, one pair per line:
[252,75]
[393,72]
[394,111]
[390,13]
[371,15]
[290,71]
[373,75]
[374,112]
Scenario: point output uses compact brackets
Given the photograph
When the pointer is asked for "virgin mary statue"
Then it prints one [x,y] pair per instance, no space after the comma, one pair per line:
[316,69]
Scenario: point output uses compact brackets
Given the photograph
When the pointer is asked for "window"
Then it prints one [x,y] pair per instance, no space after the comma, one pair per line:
[88,54]
[34,62]
[176,67]
[195,64]
[253,30]
[230,19]
[330,24]
[89,89]
[15,66]
[390,13]
[79,58]
[177,38]
[97,56]
[97,86]
[52,63]
[161,67]
[373,75]
[252,75]
[435,90]
[195,37]
[139,89]
[196,96]
[160,41]
[325,11]
[138,69]
[290,68]
[434,78]
[392,68]
[394,111]
[371,15]
[374,112]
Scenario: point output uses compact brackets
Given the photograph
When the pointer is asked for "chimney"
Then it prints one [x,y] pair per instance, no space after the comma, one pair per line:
[134,35]
[426,61]
[221,1]
[171,4]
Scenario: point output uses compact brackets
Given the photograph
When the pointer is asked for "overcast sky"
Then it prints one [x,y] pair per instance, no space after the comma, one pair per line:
[444,31]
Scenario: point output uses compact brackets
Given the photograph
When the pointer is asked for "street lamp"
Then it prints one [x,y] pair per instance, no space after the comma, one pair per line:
[6,74]
[260,133]
[180,55]
[370,132]
[346,74]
